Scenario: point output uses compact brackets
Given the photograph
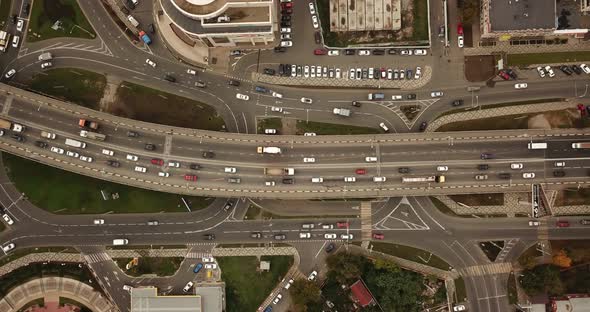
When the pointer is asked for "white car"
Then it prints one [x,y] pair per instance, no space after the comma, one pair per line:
[8,247]
[8,219]
[269,183]
[309,134]
[10,73]
[418,73]
[516,166]
[349,179]
[520,86]
[317,180]
[379,179]
[460,41]
[72,154]
[286,37]
[534,223]
[311,8]
[436,94]
[560,164]
[346,236]
[150,62]
[442,168]
[286,43]
[15,41]
[286,30]
[86,158]
[140,169]
[420,52]
[174,164]
[57,150]
[306,71]
[364,52]
[370,159]
[132,157]
[549,70]
[528,175]
[46,65]
[585,68]
[308,160]
[211,266]
[384,127]
[312,71]
[406,52]
[230,170]
[108,152]
[207,259]
[312,276]
[163,174]
[315,21]
[270,131]
[289,283]
[20,25]
[330,236]
[352,74]
[240,96]
[333,53]
[127,287]
[191,72]
[305,235]
[459,308]
[188,286]
[541,71]
[277,95]
[327,226]
[306,100]
[338,73]
[279,296]
[98,221]
[276,109]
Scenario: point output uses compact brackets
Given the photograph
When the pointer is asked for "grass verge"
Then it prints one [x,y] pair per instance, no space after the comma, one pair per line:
[573,197]
[322,128]
[420,22]
[545,58]
[79,86]
[2,226]
[62,192]
[255,213]
[246,288]
[443,207]
[151,265]
[507,104]
[270,123]
[492,249]
[150,105]
[19,253]
[492,199]
[460,291]
[512,293]
[412,254]
[45,13]
[4,11]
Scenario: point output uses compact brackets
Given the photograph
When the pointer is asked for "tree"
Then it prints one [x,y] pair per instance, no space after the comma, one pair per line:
[527,261]
[470,11]
[542,279]
[345,266]
[305,292]
[561,259]
[384,264]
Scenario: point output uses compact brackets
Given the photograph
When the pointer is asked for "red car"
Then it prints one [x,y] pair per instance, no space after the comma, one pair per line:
[460,28]
[320,51]
[360,171]
[190,177]
[286,5]
[563,223]
[378,236]
[157,161]
[504,75]
[342,225]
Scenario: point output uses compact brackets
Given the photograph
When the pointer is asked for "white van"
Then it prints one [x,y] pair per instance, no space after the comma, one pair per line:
[397,97]
[108,152]
[537,145]
[317,180]
[120,241]
[308,225]
[379,179]
[133,21]
[370,159]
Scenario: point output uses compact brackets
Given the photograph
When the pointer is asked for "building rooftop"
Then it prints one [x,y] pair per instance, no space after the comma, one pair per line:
[212,297]
[572,304]
[147,300]
[361,293]
[506,15]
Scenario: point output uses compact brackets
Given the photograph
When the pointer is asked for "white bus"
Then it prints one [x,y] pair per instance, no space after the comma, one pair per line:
[537,145]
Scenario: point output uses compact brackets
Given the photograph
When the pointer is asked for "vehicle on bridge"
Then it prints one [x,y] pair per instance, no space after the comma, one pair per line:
[581,145]
[75,143]
[268,150]
[92,135]
[279,171]
[84,123]
[437,179]
[5,124]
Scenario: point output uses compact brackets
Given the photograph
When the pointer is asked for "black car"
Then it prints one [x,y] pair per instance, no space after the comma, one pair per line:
[504,175]
[576,69]
[151,28]
[356,103]
[26,8]
[255,235]
[403,170]
[285,24]
[280,49]
[195,166]
[559,173]
[281,69]
[125,10]
[228,205]
[318,37]
[566,70]
[288,181]
[208,154]
[350,52]
[411,96]
[269,71]
[234,83]
[209,236]
[391,52]
[17,137]
[423,126]
[483,167]
[330,247]
[14,18]
[485,156]
[286,18]
[130,4]
[511,73]
[378,52]
[169,78]
[376,73]
[132,134]
[287,11]
[409,74]
[150,146]
[113,163]
[41,144]
[280,236]
[457,103]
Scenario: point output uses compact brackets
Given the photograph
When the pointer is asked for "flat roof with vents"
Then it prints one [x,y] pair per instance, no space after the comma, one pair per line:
[506,15]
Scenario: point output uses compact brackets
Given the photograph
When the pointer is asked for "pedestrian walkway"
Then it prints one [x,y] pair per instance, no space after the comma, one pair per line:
[506,249]
[486,269]
[198,255]
[366,221]
[97,257]
[514,203]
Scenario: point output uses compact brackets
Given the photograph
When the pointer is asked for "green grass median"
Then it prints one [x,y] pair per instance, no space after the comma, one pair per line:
[151,265]
[78,86]
[412,254]
[58,18]
[322,128]
[63,192]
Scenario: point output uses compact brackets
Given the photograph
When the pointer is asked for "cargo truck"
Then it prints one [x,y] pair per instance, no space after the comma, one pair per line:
[146,39]
[581,145]
[279,171]
[537,145]
[92,135]
[268,150]
[45,56]
[4,38]
[75,143]
[88,124]
[48,135]
[341,112]
[376,96]
[437,179]
[5,124]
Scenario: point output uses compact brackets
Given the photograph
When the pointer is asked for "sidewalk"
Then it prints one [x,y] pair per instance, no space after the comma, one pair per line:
[505,46]
[309,207]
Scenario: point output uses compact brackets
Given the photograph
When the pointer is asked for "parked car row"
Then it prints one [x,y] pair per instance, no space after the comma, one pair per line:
[286,34]
[317,71]
[566,69]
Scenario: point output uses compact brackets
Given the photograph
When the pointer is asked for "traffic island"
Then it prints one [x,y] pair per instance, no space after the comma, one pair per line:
[58,18]
[154,266]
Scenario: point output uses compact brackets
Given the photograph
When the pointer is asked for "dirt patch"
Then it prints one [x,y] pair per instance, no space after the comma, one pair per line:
[492,199]
[573,197]
[539,122]
[110,94]
[479,68]
[289,126]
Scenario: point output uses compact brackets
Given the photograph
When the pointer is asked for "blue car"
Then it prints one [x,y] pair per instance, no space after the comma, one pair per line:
[198,267]
[268,309]
[261,89]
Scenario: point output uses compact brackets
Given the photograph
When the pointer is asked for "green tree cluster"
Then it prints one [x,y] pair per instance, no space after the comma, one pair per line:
[542,279]
[305,293]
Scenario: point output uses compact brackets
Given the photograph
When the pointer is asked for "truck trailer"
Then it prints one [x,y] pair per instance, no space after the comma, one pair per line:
[92,135]
[84,123]
[341,112]
[581,145]
[268,150]
[4,38]
[437,179]
[75,143]
[279,171]
[5,124]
